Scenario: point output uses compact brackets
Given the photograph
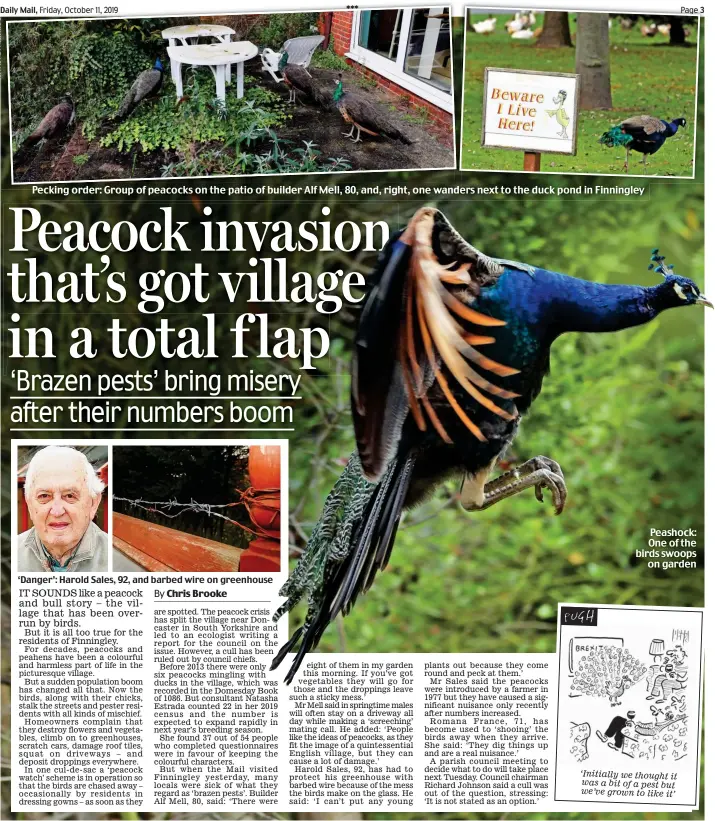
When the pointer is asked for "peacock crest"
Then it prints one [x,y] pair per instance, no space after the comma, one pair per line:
[657,264]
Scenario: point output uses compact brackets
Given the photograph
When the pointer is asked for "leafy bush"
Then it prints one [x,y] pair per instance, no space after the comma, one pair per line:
[91,60]
[199,118]
[328,59]
[278,28]
[280,158]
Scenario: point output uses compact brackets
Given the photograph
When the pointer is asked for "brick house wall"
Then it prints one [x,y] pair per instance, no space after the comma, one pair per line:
[341,33]
[341,30]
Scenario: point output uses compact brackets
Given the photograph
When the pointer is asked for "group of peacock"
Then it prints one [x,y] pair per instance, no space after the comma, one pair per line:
[643,133]
[359,113]
[362,116]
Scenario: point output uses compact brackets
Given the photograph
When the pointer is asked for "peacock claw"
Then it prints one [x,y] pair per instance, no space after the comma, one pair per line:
[540,473]
[553,479]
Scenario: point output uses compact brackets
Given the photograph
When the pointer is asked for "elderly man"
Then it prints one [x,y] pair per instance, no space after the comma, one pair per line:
[63,494]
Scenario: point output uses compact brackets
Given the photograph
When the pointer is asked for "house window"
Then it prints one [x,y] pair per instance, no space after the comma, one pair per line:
[429,48]
[410,47]
[380,32]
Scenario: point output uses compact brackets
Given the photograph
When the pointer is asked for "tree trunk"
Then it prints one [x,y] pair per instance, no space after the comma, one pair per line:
[677,31]
[555,33]
[593,61]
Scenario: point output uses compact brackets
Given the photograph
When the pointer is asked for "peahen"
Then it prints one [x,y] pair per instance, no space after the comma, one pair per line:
[428,403]
[297,78]
[363,116]
[146,84]
[643,133]
[54,122]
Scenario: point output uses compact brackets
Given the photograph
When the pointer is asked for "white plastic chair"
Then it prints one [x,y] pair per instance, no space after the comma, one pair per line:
[300,53]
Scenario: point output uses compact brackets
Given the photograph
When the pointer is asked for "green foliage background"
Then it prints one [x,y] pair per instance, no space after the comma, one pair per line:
[94,61]
[647,77]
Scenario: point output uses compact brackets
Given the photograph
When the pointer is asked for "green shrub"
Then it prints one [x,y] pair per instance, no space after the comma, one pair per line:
[94,61]
[198,119]
[329,59]
[279,158]
[278,28]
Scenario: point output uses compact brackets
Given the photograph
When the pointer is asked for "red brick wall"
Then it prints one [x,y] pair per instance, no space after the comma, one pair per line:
[437,115]
[341,31]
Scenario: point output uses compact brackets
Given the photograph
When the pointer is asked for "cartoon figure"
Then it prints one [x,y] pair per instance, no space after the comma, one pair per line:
[677,656]
[678,703]
[562,118]
[615,730]
[614,690]
[670,680]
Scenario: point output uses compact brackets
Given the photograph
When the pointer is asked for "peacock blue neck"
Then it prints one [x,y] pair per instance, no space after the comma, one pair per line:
[556,303]
[338,93]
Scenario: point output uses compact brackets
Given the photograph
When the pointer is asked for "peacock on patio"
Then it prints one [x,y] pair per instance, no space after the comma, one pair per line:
[364,116]
[147,83]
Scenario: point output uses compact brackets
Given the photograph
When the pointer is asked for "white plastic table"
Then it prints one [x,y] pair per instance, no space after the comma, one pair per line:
[219,57]
[189,36]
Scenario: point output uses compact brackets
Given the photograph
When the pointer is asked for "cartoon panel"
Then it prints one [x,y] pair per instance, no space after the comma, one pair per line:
[629,705]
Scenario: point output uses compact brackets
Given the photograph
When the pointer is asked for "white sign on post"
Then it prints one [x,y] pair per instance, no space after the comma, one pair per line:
[534,111]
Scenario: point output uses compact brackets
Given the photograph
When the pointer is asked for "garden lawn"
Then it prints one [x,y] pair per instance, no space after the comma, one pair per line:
[648,76]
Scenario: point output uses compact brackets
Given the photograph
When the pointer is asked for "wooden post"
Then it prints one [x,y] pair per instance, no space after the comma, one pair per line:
[532,161]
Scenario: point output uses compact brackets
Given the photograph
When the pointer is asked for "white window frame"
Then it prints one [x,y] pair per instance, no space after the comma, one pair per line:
[393,69]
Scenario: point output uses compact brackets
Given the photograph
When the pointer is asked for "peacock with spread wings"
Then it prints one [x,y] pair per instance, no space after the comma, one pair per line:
[451,350]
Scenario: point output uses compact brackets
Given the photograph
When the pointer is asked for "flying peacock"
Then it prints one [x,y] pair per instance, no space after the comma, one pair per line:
[363,116]
[54,122]
[146,84]
[643,133]
[428,403]
[297,78]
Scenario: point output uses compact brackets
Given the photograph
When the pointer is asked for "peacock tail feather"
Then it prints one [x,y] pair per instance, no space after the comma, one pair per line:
[615,137]
[331,538]
[606,668]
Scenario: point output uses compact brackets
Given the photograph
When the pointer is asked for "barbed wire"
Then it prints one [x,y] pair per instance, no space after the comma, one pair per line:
[163,507]
[193,505]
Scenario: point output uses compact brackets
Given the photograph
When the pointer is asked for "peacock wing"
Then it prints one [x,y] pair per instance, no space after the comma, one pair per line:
[148,82]
[55,121]
[642,126]
[298,77]
[367,116]
[414,331]
[378,398]
[130,99]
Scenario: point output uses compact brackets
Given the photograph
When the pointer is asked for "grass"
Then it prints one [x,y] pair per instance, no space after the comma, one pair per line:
[647,77]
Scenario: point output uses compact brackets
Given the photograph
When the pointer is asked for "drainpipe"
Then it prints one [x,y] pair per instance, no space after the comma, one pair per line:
[328,29]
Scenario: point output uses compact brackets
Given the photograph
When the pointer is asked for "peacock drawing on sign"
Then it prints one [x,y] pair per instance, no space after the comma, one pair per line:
[559,113]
